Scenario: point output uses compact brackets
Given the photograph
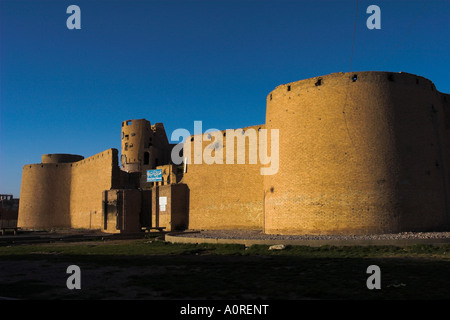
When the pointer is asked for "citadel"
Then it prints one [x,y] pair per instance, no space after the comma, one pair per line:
[357,153]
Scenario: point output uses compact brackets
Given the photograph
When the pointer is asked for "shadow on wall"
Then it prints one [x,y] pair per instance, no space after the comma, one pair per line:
[188,196]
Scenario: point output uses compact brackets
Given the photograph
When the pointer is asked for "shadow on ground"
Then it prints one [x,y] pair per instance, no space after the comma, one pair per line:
[203,276]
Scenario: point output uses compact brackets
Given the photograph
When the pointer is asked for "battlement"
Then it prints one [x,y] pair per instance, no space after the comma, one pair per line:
[344,79]
[110,153]
[223,132]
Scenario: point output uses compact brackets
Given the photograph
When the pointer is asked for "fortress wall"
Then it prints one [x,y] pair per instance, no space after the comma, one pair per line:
[44,196]
[223,196]
[90,177]
[445,98]
[359,156]
[67,195]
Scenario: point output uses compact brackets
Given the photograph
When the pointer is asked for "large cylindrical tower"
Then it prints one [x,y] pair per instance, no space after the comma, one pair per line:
[45,196]
[361,152]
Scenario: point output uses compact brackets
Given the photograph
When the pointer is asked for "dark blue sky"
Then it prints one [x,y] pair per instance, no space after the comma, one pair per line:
[67,91]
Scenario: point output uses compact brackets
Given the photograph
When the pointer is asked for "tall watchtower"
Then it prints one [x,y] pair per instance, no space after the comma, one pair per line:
[144,146]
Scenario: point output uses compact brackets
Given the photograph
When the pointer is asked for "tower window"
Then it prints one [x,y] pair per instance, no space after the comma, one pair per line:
[289,88]
[146,158]
[319,82]
[355,77]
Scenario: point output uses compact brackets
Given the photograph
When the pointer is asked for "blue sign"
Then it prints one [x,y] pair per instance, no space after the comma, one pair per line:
[154,175]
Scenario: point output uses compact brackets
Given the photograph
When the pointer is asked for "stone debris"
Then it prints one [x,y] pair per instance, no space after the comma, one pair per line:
[258,235]
[277,247]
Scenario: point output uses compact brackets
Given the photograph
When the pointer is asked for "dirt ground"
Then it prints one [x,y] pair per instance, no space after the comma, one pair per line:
[181,272]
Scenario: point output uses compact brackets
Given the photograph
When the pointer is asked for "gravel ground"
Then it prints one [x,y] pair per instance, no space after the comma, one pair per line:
[258,235]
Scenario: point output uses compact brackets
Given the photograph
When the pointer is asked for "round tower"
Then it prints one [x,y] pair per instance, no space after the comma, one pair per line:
[61,158]
[361,152]
[45,196]
[144,146]
[135,141]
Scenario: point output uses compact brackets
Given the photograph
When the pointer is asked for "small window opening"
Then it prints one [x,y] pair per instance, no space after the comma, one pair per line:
[128,122]
[355,77]
[289,88]
[146,158]
[433,109]
[270,96]
[319,82]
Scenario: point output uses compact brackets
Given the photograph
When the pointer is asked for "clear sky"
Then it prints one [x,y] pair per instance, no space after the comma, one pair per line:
[67,91]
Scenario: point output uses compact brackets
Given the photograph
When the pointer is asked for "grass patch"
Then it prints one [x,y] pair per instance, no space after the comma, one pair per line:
[152,247]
